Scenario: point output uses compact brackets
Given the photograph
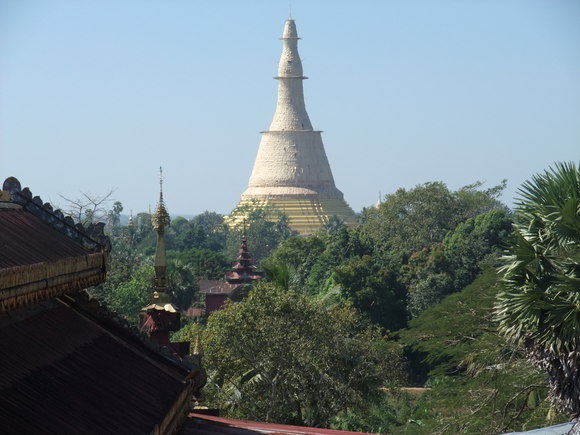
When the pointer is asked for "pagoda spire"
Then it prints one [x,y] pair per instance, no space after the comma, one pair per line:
[291,160]
[160,317]
[160,219]
[290,110]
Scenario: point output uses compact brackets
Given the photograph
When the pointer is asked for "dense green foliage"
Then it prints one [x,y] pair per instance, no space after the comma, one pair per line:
[305,347]
[127,298]
[374,289]
[279,356]
[206,231]
[410,220]
[540,308]
[264,227]
[393,268]
[477,382]
[200,248]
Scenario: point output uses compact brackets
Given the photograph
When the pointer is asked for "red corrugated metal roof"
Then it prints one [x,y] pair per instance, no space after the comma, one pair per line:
[61,373]
[216,287]
[200,424]
[26,239]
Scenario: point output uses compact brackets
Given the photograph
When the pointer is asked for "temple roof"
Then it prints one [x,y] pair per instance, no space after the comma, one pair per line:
[243,272]
[212,287]
[243,269]
[65,371]
[44,254]
[68,364]
[27,240]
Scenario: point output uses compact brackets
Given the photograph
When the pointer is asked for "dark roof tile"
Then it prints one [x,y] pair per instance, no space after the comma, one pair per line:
[62,373]
[26,240]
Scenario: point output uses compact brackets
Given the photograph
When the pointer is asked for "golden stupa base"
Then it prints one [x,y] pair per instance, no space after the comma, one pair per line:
[306,216]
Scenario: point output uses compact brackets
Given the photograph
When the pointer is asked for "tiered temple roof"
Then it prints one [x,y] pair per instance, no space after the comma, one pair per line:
[237,281]
[243,270]
[68,364]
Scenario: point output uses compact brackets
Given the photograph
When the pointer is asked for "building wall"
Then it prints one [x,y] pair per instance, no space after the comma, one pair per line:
[214,303]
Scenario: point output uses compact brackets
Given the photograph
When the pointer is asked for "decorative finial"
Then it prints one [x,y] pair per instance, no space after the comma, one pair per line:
[160,218]
[290,14]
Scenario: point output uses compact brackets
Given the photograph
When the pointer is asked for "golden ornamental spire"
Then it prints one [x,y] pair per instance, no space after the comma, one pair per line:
[160,316]
[160,219]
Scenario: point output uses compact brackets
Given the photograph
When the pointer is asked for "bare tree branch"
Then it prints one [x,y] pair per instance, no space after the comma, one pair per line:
[89,208]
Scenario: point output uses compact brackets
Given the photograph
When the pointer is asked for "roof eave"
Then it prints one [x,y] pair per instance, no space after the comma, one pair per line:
[22,286]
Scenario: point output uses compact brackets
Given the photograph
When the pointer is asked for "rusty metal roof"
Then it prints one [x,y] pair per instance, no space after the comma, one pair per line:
[38,262]
[216,287]
[60,372]
[25,240]
[200,424]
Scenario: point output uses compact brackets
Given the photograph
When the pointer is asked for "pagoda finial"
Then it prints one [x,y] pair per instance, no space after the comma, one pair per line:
[160,219]
[161,182]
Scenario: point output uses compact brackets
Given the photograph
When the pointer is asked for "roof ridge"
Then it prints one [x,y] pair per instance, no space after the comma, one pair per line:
[92,237]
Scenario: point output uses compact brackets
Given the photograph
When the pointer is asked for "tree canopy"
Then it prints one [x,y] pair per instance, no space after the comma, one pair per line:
[411,220]
[478,383]
[280,357]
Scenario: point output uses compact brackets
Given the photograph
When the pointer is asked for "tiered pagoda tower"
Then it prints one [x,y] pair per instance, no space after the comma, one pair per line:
[291,171]
[237,284]
[243,270]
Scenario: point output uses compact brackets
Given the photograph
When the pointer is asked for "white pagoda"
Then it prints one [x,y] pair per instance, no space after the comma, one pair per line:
[291,171]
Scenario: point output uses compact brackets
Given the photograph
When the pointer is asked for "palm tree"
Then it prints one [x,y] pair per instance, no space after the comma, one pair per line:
[539,308]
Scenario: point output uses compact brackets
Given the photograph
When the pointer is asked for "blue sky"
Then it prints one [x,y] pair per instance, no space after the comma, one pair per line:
[97,95]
